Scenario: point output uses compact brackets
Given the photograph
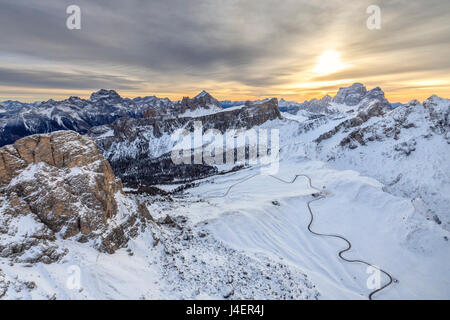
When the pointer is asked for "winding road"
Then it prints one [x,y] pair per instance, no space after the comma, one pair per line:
[320,196]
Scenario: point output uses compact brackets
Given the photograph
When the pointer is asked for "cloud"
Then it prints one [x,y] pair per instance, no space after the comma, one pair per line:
[252,46]
[62,80]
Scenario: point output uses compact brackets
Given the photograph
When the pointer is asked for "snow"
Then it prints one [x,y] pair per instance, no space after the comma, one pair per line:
[189,264]
[202,94]
[22,227]
[253,242]
[199,112]
[297,117]
[342,108]
[157,146]
[233,108]
[28,174]
[244,235]
[108,133]
[383,229]
[413,164]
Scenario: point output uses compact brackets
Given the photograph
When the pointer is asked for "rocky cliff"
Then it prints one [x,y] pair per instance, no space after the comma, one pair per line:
[58,186]
[139,149]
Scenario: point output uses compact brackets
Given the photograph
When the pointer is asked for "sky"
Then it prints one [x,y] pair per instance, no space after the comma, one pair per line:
[235,50]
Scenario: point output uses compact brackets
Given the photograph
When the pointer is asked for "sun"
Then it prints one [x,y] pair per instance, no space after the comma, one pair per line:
[329,62]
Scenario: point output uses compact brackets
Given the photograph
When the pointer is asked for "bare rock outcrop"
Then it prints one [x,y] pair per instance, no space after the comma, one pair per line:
[58,186]
[352,95]
[375,110]
[202,101]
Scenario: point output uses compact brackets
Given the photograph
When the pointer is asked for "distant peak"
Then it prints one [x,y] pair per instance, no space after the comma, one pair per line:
[206,97]
[435,97]
[413,102]
[354,86]
[350,95]
[202,94]
[104,94]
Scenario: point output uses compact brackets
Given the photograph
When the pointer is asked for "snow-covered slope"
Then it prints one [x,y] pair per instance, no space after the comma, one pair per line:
[230,247]
[407,149]
[385,230]
[380,179]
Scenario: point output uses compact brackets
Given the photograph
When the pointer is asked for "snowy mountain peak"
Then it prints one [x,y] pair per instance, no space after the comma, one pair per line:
[375,93]
[413,103]
[11,104]
[74,98]
[352,95]
[436,99]
[104,94]
[372,96]
[203,94]
[200,105]
[348,100]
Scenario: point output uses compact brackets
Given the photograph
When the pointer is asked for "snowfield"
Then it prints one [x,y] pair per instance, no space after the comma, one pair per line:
[385,230]
[254,243]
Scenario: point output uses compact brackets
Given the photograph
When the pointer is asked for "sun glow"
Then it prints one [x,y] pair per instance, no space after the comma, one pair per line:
[329,62]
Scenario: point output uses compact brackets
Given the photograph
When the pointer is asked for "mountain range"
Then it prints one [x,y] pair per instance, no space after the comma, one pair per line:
[84,178]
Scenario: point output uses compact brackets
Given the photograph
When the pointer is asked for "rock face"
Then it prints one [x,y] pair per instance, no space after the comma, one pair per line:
[374,110]
[439,115]
[376,94]
[139,149]
[317,105]
[57,186]
[352,95]
[202,101]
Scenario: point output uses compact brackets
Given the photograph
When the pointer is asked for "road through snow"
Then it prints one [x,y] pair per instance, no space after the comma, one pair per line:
[320,195]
